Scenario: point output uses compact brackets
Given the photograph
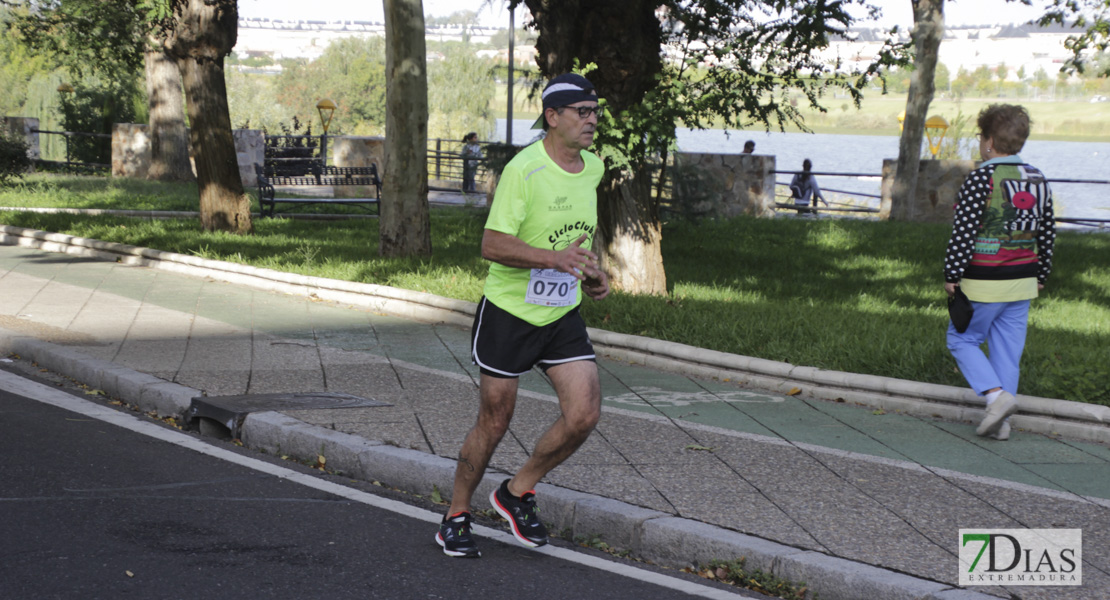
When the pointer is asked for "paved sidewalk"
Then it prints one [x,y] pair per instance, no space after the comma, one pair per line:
[858,502]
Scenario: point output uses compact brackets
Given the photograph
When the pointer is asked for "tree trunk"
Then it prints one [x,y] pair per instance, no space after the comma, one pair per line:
[928,30]
[623,35]
[404,228]
[202,34]
[630,234]
[169,146]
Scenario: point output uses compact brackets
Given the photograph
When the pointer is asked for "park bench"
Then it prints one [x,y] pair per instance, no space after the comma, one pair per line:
[271,176]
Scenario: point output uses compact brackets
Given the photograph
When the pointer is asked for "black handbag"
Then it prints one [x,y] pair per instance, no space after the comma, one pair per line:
[960,310]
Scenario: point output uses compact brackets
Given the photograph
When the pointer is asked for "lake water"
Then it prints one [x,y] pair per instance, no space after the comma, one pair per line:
[864,154]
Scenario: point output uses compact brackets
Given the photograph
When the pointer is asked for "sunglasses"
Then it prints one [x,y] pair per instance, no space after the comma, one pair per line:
[585,111]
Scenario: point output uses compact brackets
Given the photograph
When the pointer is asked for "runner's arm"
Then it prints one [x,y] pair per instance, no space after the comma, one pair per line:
[512,251]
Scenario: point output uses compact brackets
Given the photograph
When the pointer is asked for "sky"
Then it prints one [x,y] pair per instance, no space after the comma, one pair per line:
[896,12]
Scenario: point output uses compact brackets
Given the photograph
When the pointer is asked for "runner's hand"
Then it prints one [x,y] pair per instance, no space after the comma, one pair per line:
[596,287]
[577,261]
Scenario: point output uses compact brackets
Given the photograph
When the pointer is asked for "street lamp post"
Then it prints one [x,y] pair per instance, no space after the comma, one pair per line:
[326,109]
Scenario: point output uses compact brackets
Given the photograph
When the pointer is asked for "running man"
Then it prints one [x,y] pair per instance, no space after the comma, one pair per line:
[538,235]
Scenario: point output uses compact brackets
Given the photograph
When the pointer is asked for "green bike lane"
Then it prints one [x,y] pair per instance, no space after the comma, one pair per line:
[1081,468]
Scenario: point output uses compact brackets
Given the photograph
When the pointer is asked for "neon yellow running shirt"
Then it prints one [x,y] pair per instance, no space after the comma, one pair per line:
[546,207]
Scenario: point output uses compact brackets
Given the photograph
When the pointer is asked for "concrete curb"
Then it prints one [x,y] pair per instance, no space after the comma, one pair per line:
[149,393]
[656,536]
[1038,415]
[659,537]
[151,215]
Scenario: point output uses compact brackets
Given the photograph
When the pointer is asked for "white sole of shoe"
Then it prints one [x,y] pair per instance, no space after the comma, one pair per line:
[455,553]
[997,412]
[505,514]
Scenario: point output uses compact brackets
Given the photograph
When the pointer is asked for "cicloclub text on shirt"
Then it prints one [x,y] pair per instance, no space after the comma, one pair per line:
[563,236]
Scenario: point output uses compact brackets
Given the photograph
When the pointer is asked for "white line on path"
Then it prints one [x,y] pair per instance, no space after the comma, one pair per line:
[47,395]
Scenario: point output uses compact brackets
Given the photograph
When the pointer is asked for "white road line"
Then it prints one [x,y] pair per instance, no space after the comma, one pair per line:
[48,395]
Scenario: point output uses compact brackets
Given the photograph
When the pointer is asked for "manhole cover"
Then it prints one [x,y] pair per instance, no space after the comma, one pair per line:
[230,411]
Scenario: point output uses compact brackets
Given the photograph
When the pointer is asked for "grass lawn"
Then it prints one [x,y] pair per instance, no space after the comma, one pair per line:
[857,296]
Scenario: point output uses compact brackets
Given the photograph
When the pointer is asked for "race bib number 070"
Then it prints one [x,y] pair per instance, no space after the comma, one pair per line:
[549,287]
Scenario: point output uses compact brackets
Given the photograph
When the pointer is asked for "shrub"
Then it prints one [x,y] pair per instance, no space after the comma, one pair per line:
[14,161]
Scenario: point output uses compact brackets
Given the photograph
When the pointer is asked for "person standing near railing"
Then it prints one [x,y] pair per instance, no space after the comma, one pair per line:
[999,255]
[471,153]
[804,188]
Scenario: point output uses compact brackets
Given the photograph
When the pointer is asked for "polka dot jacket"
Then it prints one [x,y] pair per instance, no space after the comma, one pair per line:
[1003,227]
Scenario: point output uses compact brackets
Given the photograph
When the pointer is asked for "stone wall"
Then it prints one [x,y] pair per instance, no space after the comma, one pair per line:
[130,150]
[250,151]
[357,151]
[938,182]
[131,153]
[22,128]
[745,183]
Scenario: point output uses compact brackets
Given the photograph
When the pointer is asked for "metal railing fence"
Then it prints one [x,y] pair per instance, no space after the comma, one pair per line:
[79,166]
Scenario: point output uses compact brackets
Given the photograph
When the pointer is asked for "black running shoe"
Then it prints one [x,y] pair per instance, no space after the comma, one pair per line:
[522,515]
[454,536]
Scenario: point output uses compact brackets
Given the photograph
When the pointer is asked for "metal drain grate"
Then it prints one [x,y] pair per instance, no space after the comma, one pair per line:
[230,411]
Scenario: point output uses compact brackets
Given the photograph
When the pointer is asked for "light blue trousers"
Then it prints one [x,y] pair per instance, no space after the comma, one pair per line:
[1002,326]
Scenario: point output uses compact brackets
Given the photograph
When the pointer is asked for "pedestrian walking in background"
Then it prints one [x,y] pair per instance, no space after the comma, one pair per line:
[804,188]
[749,147]
[1000,256]
[537,236]
[471,154]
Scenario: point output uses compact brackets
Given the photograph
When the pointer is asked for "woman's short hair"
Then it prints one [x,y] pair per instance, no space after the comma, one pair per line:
[1007,125]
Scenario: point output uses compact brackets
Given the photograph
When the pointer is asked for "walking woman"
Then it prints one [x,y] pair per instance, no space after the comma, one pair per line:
[1000,256]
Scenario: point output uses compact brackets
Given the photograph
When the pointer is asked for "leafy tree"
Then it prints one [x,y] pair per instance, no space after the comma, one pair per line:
[963,83]
[942,78]
[1002,72]
[19,65]
[1092,17]
[460,91]
[94,107]
[523,37]
[351,71]
[1041,80]
[756,56]
[14,161]
[982,77]
[897,80]
[88,36]
[112,41]
[250,100]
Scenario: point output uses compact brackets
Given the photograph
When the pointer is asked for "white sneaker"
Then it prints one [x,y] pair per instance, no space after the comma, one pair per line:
[1003,433]
[1004,406]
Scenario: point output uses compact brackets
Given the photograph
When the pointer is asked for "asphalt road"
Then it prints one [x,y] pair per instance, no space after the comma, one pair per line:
[92,509]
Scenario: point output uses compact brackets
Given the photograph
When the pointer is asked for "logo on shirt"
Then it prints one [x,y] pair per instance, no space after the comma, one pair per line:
[563,236]
[561,203]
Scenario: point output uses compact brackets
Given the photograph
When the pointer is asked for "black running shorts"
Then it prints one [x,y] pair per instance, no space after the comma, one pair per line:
[506,346]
